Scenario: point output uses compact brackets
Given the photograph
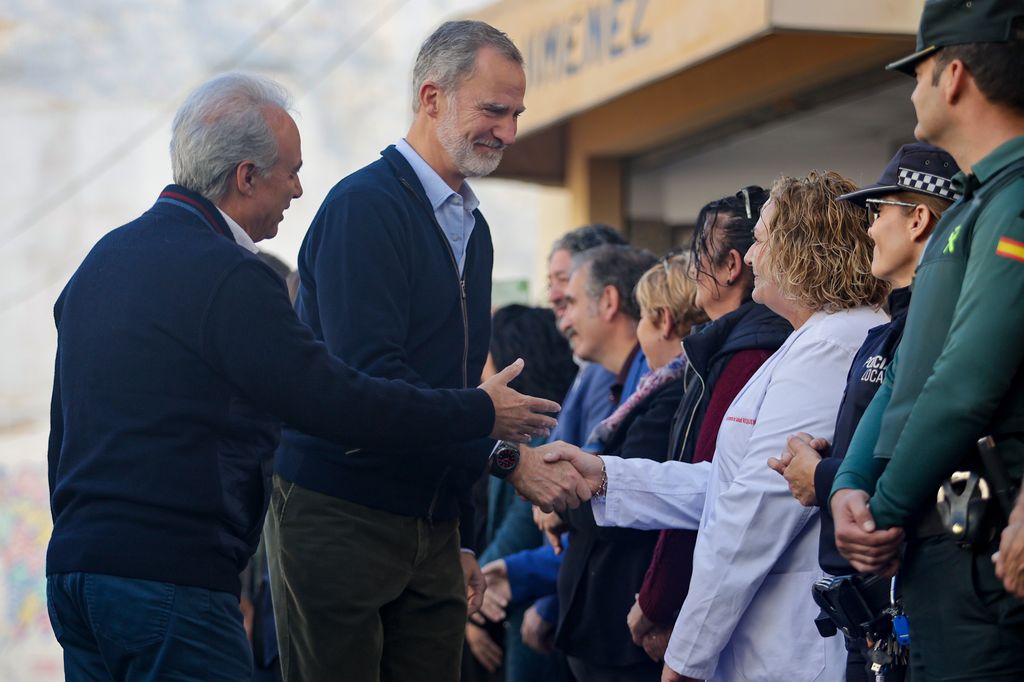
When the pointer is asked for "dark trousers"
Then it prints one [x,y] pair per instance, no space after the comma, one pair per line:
[360,594]
[963,624]
[114,628]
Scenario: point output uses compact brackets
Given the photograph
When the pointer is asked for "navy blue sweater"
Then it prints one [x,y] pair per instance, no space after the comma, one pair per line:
[380,286]
[866,374]
[173,346]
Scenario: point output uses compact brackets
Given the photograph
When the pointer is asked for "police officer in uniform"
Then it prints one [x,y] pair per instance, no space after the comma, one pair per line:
[959,373]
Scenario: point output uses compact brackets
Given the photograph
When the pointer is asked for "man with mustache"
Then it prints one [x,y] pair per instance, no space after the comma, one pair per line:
[368,575]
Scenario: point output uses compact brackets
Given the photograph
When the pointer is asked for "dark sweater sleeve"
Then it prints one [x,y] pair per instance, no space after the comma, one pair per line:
[824,477]
[252,335]
[359,265]
[668,577]
[359,260]
[463,490]
[56,427]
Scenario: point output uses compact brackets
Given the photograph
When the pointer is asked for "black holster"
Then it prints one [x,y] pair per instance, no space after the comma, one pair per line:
[856,604]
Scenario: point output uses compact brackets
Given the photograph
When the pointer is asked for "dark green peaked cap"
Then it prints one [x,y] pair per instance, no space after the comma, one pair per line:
[956,22]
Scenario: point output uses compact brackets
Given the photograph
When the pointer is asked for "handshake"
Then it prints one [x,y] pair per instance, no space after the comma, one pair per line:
[557,476]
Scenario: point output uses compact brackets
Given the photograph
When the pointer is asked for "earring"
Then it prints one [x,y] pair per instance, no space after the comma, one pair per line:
[728,282]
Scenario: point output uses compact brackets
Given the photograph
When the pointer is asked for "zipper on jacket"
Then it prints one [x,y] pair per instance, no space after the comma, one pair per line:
[462,283]
[465,329]
[696,406]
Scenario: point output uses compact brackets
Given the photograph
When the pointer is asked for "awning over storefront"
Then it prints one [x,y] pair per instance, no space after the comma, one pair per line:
[613,78]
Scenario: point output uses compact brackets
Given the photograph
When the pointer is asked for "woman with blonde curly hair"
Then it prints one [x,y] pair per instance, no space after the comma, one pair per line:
[749,614]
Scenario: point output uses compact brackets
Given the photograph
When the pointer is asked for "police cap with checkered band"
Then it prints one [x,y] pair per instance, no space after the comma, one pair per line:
[958,22]
[918,167]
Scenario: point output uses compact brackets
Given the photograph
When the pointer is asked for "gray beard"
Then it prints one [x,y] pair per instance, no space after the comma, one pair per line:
[468,161]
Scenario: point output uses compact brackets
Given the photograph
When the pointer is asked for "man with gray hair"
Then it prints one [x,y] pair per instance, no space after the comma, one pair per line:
[177,351]
[367,574]
[601,571]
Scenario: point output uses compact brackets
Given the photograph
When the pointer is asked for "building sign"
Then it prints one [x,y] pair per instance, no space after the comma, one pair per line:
[582,53]
[588,37]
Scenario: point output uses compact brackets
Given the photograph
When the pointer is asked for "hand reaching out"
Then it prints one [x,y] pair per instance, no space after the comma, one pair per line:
[537,633]
[484,649]
[517,417]
[499,592]
[552,525]
[475,584]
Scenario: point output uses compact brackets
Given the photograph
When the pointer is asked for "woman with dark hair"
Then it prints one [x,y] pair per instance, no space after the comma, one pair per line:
[723,355]
[517,331]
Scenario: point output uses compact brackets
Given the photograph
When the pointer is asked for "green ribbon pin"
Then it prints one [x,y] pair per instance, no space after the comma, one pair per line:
[951,243]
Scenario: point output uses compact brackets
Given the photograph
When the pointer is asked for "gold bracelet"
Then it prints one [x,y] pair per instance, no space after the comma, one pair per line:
[602,489]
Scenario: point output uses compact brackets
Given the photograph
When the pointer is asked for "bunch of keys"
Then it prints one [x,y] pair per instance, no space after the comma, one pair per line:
[891,649]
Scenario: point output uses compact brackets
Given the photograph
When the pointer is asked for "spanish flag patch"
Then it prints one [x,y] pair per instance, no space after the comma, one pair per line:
[1010,248]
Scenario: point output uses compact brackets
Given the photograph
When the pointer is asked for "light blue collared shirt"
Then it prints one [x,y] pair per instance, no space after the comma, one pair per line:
[453,210]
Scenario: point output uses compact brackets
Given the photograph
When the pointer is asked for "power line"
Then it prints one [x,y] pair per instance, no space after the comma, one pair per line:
[120,152]
[65,192]
[348,49]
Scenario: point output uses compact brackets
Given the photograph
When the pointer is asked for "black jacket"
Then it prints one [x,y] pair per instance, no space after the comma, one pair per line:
[708,349]
[379,285]
[866,374]
[604,567]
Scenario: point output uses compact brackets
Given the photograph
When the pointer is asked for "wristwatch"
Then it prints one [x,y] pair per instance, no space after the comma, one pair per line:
[504,459]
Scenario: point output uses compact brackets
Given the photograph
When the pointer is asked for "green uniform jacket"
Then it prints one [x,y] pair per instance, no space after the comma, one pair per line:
[957,375]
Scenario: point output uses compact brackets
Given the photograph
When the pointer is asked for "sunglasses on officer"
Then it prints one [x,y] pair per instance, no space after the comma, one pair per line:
[874,207]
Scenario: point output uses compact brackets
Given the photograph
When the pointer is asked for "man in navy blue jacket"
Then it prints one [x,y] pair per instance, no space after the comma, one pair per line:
[366,569]
[177,351]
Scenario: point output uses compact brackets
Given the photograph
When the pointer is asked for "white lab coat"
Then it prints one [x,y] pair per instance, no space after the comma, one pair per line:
[749,615]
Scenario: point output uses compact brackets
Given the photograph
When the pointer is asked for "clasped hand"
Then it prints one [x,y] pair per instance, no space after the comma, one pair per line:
[859,541]
[797,464]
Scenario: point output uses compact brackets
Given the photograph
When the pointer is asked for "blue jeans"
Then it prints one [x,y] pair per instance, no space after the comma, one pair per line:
[115,628]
